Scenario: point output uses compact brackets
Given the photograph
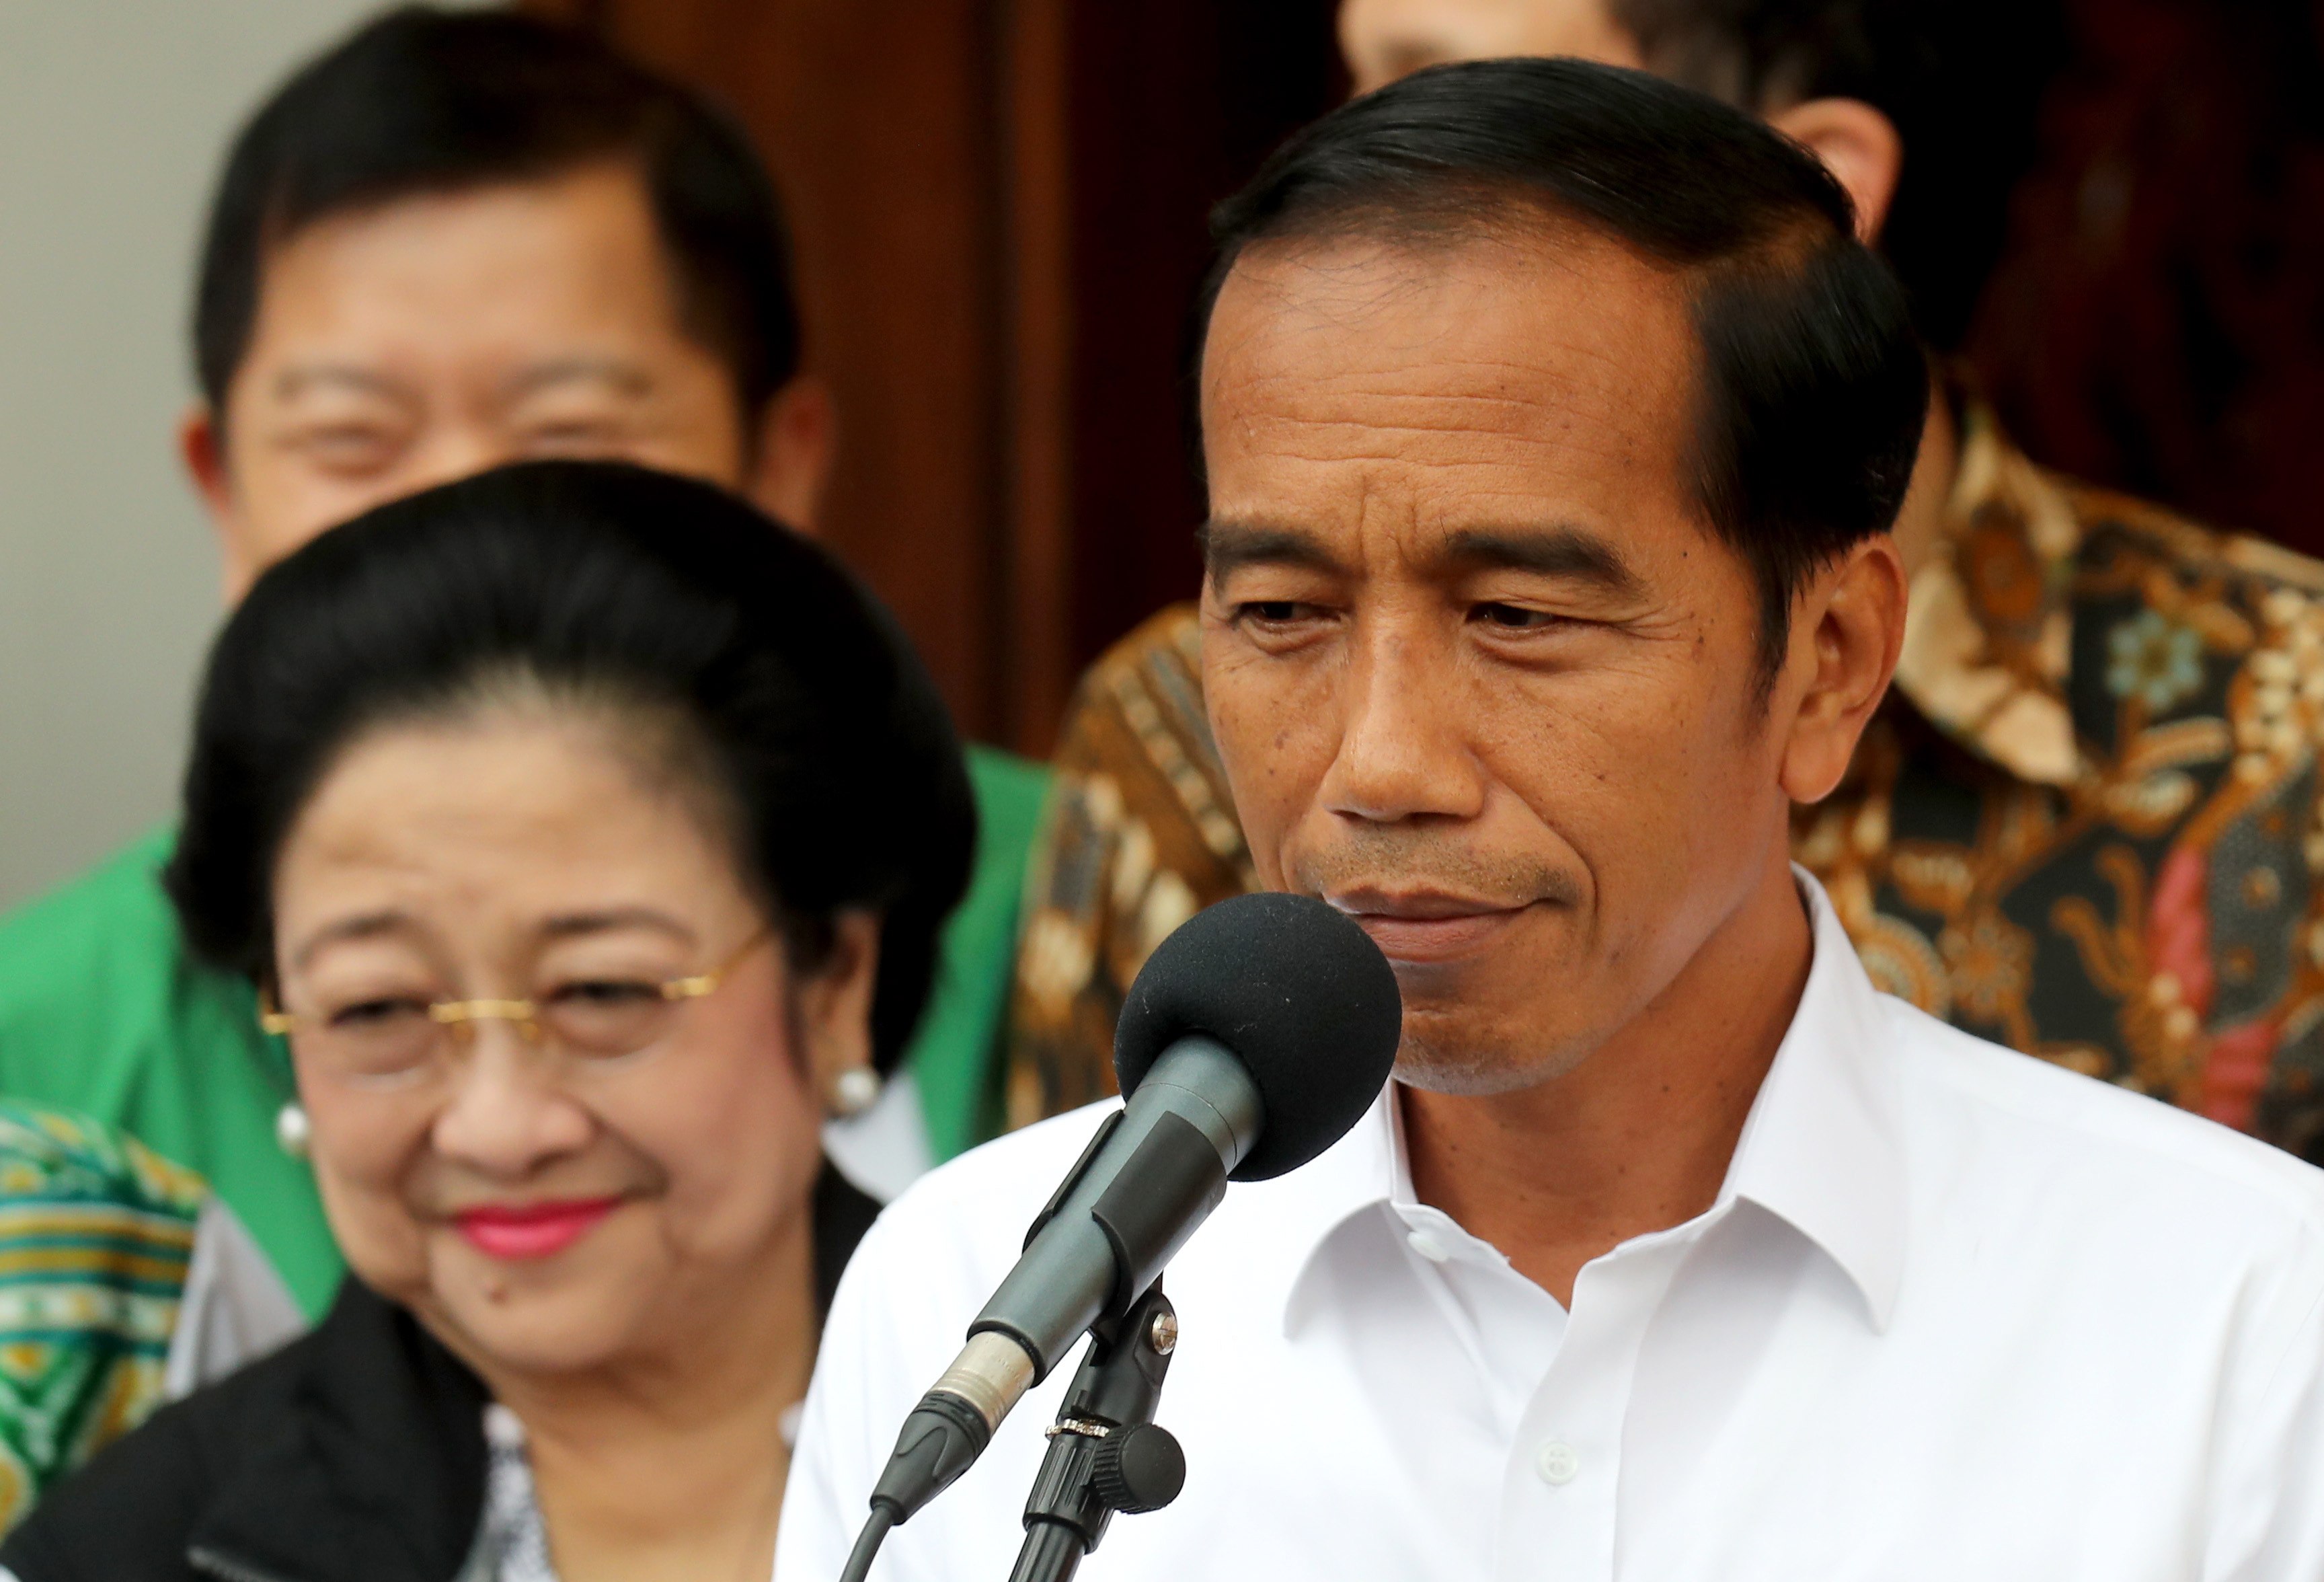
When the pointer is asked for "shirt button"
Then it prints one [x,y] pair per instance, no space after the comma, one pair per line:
[1426,1244]
[1558,1463]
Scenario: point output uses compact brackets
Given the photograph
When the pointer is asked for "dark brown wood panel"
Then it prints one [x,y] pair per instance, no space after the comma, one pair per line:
[998,211]
[2157,320]
[879,122]
[1175,106]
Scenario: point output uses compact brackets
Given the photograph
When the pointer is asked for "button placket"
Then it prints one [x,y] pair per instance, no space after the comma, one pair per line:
[1558,1493]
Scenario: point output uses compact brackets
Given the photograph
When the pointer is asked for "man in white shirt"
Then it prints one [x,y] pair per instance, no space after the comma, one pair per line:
[1553,424]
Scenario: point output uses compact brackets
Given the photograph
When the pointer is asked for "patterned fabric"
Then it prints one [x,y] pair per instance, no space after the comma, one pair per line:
[97,1234]
[512,1540]
[1138,836]
[2085,823]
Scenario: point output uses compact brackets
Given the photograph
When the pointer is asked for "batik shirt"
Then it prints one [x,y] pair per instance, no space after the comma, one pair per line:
[97,1238]
[2084,823]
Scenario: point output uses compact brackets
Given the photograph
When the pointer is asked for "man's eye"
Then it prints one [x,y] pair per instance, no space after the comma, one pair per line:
[1503,617]
[345,446]
[1275,612]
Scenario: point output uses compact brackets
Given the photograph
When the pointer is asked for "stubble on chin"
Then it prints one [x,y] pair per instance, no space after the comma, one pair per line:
[1436,1055]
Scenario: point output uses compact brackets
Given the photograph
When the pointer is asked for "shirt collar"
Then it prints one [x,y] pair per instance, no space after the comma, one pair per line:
[1989,632]
[1819,1149]
[1822,1149]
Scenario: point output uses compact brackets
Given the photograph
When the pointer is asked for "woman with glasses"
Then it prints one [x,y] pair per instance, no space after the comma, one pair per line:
[588,835]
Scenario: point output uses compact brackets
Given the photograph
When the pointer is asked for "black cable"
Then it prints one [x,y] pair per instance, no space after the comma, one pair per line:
[867,1545]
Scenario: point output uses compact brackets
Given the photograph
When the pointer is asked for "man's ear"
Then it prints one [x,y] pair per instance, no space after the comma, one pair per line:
[202,446]
[798,432]
[833,1003]
[1859,146]
[1848,630]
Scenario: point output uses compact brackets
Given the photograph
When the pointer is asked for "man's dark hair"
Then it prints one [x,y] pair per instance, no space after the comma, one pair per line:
[1962,80]
[783,696]
[424,102]
[1812,386]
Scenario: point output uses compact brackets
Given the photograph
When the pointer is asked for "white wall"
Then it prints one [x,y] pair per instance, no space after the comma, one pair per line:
[113,115]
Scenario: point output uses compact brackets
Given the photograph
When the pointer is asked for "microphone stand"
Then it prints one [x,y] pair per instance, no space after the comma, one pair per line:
[1106,1453]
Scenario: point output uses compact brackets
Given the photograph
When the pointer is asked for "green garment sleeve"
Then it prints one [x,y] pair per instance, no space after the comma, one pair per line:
[102,1011]
[955,1055]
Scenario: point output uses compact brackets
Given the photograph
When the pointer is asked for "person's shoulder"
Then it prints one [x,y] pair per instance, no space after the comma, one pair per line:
[51,1152]
[965,1220]
[1004,782]
[128,1512]
[2199,548]
[1149,680]
[1171,639]
[117,906]
[96,984]
[994,1177]
[2125,1153]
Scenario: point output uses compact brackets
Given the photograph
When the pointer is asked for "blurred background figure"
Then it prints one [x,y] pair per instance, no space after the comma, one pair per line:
[590,836]
[124,1282]
[456,239]
[2085,822]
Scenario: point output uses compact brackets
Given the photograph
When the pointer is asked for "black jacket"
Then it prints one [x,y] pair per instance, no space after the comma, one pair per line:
[355,1454]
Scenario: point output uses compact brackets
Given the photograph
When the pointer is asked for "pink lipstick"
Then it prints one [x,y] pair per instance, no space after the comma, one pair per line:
[531,1230]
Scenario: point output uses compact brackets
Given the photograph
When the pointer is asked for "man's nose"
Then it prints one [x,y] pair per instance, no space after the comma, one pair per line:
[507,1113]
[454,450]
[1404,750]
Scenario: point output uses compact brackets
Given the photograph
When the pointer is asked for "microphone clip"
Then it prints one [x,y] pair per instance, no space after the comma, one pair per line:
[1106,1453]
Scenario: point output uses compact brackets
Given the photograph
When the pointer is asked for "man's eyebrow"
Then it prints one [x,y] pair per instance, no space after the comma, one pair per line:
[1230,546]
[294,381]
[626,377]
[1566,553]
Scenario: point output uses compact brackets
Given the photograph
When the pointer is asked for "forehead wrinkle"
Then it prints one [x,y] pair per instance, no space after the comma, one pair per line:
[1474,263]
[1528,401]
[1327,440]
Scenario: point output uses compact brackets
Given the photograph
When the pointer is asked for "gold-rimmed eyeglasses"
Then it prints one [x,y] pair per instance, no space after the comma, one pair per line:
[594,1017]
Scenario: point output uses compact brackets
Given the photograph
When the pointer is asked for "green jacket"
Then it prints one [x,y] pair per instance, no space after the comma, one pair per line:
[103,1011]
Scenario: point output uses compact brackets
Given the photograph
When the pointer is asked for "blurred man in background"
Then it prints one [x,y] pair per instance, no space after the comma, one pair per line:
[455,240]
[2085,821]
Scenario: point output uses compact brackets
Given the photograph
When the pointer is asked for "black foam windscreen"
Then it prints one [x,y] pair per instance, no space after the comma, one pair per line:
[1297,991]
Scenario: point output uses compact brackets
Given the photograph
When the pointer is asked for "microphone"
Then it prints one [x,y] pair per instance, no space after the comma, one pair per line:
[1254,1037]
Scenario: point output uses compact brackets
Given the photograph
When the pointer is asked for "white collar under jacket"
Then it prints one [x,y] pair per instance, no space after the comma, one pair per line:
[1956,1313]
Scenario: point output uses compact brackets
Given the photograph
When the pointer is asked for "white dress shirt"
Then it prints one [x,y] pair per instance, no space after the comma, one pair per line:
[1955,1314]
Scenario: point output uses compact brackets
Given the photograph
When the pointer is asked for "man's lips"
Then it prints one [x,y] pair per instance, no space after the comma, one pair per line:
[531,1230]
[1425,925]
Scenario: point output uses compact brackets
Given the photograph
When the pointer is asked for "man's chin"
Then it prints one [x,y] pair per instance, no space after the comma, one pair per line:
[1437,1059]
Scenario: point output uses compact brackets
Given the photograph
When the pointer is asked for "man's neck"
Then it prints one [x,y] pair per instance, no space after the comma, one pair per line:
[1637,1137]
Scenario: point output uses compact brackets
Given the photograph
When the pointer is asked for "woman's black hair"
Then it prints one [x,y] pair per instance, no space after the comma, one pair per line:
[594,581]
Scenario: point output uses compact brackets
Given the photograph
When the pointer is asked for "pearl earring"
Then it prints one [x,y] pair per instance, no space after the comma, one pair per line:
[292,1130]
[854,1090]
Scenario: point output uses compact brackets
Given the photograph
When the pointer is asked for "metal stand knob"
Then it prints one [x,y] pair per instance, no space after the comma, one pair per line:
[1139,1468]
